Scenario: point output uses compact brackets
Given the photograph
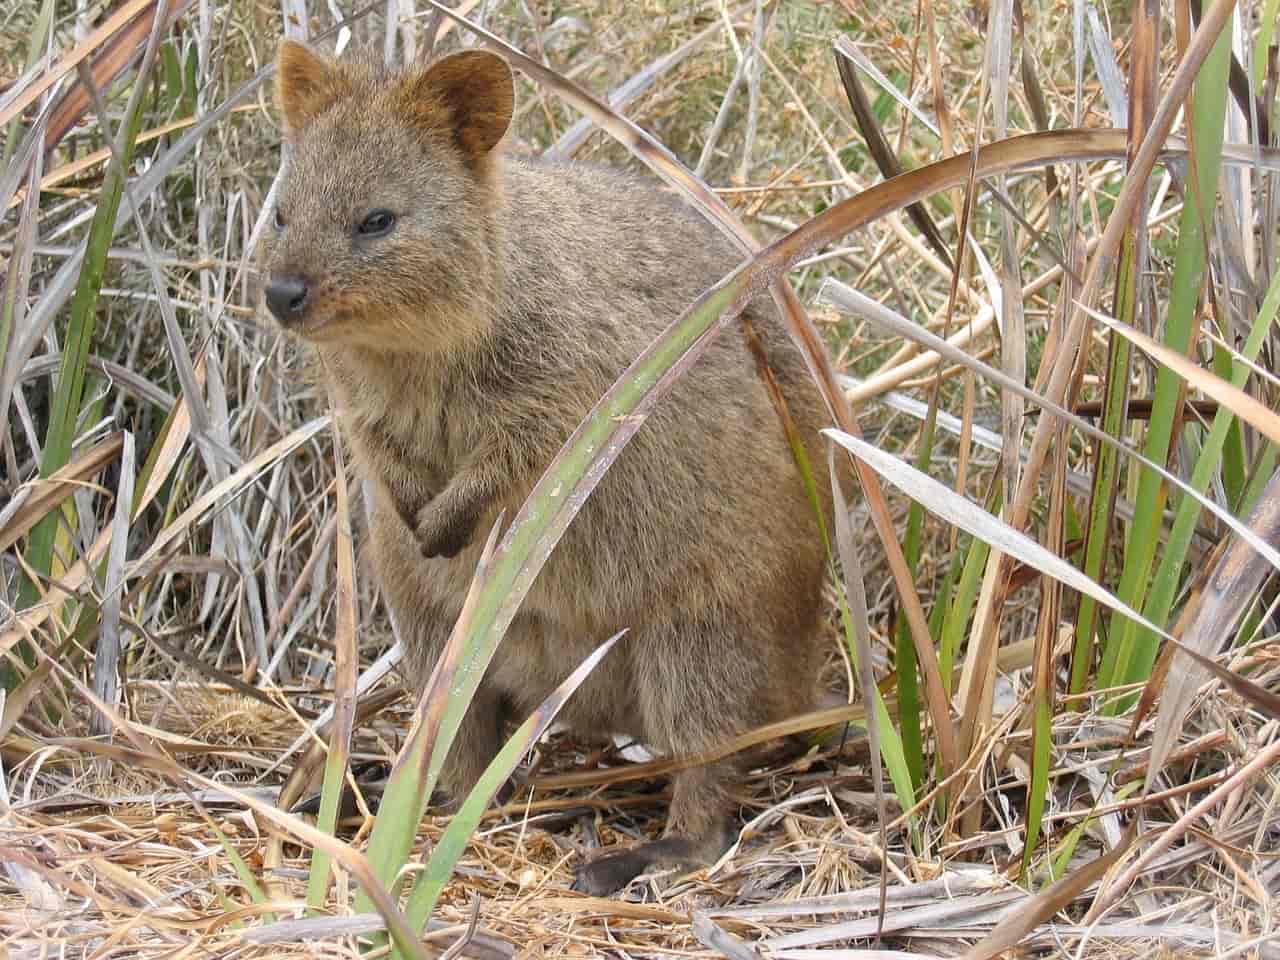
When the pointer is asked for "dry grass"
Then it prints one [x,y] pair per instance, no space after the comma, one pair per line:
[100,856]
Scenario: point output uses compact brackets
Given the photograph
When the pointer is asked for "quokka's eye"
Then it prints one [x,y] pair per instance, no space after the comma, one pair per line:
[377,223]
[279,218]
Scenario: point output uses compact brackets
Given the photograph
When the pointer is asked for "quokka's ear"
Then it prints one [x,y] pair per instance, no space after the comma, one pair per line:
[471,93]
[306,84]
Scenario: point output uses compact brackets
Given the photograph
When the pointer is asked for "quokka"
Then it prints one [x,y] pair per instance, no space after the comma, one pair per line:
[469,307]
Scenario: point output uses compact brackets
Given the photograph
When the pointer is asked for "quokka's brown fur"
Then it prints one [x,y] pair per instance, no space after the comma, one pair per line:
[465,343]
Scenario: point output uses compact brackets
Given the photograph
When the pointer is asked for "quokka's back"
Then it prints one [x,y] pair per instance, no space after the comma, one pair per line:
[469,308]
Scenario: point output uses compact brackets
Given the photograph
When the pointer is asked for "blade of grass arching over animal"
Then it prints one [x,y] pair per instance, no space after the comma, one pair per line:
[501,586]
[881,738]
[66,402]
[1144,58]
[346,666]
[444,857]
[1207,114]
[1164,586]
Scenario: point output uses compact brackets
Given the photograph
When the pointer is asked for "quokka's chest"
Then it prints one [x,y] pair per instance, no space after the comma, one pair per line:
[414,443]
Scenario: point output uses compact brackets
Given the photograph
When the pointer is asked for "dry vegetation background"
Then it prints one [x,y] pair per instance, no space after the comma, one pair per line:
[223,633]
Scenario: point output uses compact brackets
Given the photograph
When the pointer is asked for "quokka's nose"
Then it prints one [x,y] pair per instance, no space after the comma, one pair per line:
[286,297]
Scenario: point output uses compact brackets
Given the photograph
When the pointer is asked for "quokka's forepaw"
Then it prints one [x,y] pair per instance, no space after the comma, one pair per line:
[441,534]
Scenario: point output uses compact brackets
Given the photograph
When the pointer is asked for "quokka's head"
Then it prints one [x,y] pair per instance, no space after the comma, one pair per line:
[383,231]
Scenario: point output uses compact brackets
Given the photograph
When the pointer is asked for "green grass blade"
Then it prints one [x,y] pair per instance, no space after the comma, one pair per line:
[430,883]
[1164,586]
[246,875]
[853,616]
[895,758]
[961,607]
[67,400]
[1038,787]
[1067,849]
[1118,664]
[1235,471]
[449,691]
[909,712]
[1106,473]
[1262,470]
[346,668]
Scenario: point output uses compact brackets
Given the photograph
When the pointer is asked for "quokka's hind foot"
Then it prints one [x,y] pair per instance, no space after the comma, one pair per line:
[699,830]
[612,872]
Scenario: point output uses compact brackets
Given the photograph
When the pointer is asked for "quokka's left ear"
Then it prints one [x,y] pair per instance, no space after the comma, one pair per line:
[471,94]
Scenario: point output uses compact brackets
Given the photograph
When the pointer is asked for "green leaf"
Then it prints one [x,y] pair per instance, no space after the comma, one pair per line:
[1123,661]
[439,867]
[65,405]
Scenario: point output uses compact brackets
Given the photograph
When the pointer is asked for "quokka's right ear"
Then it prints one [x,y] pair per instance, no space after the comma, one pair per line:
[306,85]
